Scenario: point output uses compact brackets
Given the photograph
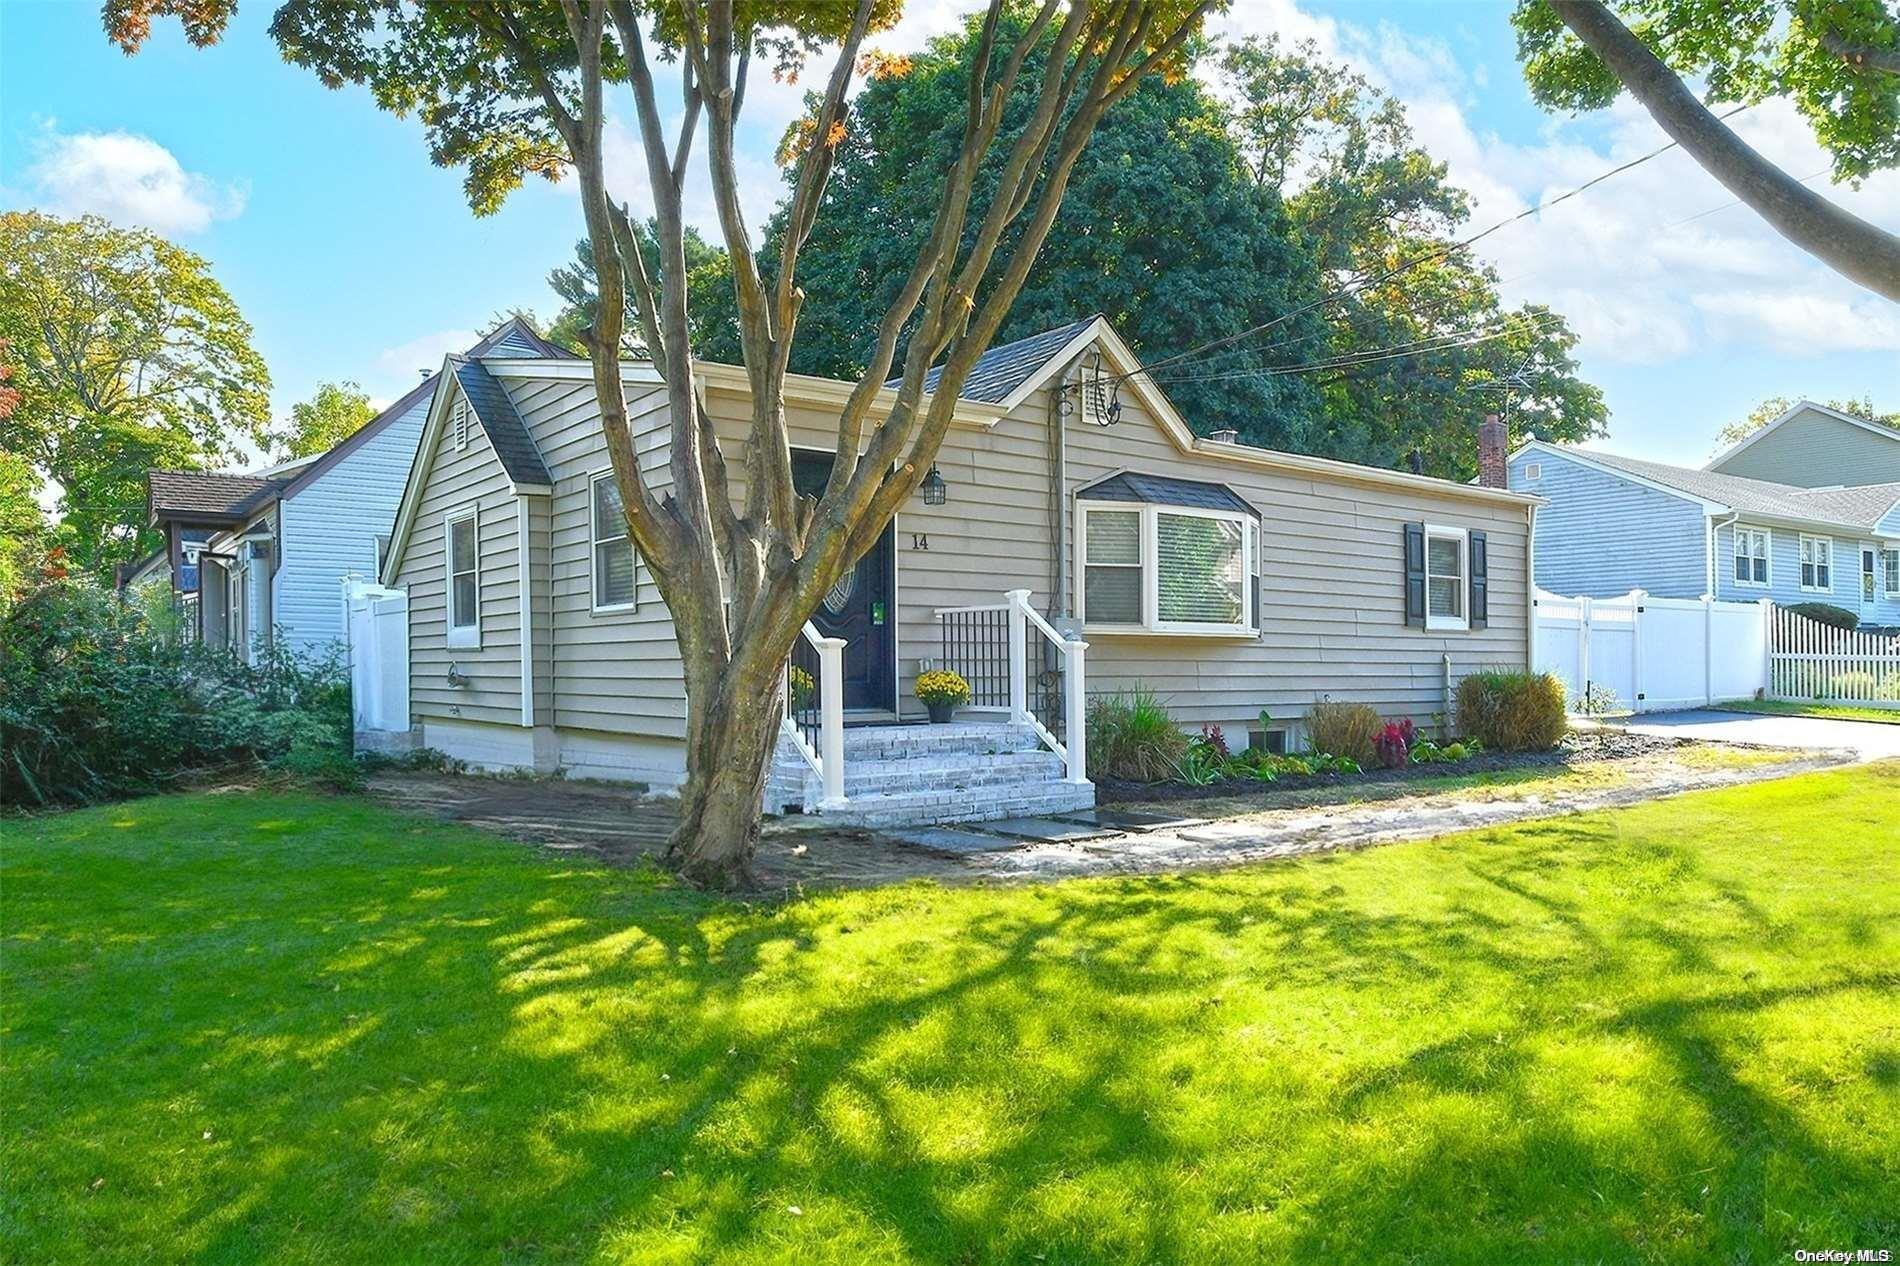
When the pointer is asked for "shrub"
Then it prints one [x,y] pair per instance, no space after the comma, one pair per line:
[1131,735]
[1826,613]
[1512,711]
[96,704]
[1394,743]
[1344,729]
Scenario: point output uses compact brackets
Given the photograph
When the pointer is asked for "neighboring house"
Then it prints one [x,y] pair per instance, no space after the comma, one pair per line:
[1813,446]
[1229,580]
[1614,524]
[251,556]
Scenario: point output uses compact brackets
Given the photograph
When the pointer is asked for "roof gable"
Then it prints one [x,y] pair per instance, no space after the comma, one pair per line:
[1805,414]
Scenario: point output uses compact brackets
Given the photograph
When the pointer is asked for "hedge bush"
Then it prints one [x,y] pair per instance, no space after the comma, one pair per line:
[1344,729]
[1131,736]
[1826,613]
[1512,711]
[96,704]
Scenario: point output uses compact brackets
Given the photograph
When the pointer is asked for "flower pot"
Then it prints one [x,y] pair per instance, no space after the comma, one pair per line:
[940,713]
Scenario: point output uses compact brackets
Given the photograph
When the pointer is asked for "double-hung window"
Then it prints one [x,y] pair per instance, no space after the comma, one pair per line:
[1751,556]
[1447,574]
[1892,561]
[1817,564]
[615,562]
[1167,569]
[463,531]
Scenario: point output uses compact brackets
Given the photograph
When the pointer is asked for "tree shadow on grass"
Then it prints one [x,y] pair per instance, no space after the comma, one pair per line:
[452,1051]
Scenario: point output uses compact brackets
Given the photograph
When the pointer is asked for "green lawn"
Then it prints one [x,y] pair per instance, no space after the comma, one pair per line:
[1832,711]
[291,1028]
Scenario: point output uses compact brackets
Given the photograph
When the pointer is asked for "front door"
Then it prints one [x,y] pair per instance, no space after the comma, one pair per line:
[858,608]
[1869,578]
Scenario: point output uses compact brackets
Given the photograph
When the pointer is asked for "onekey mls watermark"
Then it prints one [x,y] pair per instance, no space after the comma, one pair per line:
[1844,1255]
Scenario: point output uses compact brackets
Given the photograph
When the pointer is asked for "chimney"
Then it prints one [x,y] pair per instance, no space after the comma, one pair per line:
[1494,444]
[1226,435]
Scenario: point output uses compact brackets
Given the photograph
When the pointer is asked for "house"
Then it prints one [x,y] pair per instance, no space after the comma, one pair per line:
[251,556]
[1239,584]
[1826,529]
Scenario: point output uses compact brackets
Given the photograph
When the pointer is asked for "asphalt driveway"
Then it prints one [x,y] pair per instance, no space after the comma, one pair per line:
[1872,740]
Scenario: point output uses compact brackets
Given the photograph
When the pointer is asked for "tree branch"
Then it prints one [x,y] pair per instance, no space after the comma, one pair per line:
[1843,241]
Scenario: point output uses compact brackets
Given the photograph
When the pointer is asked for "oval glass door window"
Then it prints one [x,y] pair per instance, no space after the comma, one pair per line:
[839,594]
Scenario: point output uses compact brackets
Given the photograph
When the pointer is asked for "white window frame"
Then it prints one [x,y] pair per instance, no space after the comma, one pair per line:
[1826,543]
[458,422]
[1460,623]
[1151,621]
[1890,570]
[461,636]
[595,541]
[1741,532]
[1533,471]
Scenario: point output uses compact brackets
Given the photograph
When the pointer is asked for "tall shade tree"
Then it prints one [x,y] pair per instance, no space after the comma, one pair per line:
[1162,232]
[1838,61]
[337,411]
[508,90]
[1421,345]
[713,321]
[127,355]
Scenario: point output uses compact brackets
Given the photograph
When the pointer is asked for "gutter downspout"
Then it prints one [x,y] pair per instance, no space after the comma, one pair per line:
[1709,552]
[1530,591]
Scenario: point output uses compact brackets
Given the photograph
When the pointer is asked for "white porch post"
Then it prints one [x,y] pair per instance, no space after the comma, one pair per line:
[831,719]
[1018,655]
[1075,708]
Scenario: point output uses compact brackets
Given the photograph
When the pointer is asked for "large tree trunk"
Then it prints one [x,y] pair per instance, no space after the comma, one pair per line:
[732,721]
[1843,241]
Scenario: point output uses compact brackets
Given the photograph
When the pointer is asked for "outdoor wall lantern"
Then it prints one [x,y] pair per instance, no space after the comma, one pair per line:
[935,490]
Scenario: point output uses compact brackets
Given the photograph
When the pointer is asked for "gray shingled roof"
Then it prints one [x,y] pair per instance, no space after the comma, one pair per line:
[1860,506]
[203,496]
[491,406]
[1001,370]
[1168,491]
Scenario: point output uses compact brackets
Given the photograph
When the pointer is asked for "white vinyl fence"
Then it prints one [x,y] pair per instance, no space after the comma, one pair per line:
[1652,654]
[1814,661]
[378,624]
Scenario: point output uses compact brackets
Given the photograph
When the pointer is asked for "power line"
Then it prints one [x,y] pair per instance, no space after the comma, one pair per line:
[1357,285]
[1433,343]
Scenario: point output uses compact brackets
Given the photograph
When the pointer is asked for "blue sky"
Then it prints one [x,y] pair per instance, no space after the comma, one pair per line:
[354,258]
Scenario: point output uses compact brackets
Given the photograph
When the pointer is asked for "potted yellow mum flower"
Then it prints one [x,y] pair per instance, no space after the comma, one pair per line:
[941,691]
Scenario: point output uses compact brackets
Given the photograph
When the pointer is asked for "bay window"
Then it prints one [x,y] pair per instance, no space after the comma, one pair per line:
[1167,568]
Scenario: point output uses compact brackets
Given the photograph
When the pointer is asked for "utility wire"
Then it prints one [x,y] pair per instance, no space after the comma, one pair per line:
[1355,286]
[1447,341]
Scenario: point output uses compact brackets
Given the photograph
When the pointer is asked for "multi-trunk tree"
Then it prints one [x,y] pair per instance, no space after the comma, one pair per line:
[740,557]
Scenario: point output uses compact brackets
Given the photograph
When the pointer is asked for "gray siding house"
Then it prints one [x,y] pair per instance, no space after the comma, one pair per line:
[251,558]
[1826,534]
[1229,580]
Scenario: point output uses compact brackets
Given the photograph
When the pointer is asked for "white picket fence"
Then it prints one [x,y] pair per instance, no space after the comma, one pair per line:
[378,624]
[1646,654]
[1810,661]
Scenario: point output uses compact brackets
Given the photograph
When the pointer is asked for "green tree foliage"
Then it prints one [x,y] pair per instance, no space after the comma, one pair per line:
[127,356]
[1837,60]
[337,411]
[1372,201]
[1774,406]
[1161,231]
[711,314]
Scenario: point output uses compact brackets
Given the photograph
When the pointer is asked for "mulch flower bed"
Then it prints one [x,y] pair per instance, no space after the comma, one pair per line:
[1577,748]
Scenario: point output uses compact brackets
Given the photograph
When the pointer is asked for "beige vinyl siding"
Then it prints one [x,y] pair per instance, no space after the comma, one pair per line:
[1332,569]
[1815,450]
[470,476]
[615,672]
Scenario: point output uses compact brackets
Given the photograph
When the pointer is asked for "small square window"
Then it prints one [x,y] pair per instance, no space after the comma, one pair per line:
[1533,471]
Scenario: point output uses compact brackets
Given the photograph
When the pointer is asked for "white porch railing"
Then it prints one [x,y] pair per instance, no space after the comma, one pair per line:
[997,668]
[814,709]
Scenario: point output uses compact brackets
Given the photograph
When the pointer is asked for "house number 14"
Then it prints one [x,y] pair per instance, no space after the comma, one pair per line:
[920,540]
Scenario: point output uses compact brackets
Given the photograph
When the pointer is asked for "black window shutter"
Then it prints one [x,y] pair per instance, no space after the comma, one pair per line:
[1480,583]
[1415,575]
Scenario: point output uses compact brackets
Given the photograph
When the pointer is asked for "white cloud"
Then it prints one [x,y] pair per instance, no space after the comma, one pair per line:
[399,368]
[128,179]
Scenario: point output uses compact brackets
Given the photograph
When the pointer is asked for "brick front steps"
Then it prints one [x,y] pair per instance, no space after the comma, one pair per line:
[913,775]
